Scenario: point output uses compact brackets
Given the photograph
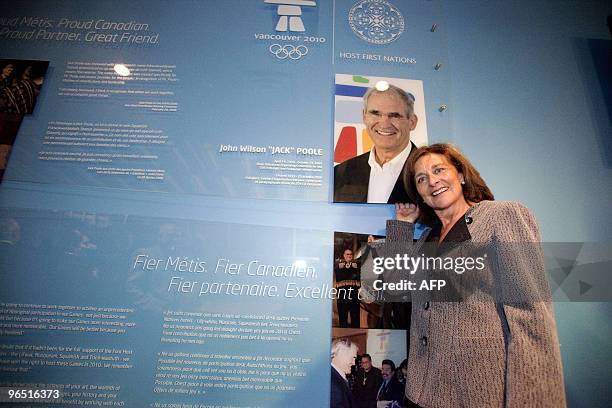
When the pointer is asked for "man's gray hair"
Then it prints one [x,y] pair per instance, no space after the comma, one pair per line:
[342,343]
[392,90]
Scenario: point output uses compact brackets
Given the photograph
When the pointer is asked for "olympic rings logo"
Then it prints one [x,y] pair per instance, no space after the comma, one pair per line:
[288,51]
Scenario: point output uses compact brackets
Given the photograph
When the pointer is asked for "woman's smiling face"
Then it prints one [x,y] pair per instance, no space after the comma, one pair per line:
[438,182]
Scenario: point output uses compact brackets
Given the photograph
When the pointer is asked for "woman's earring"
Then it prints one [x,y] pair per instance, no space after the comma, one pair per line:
[462,181]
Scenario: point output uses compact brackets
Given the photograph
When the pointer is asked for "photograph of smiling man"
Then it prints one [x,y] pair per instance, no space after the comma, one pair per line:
[378,123]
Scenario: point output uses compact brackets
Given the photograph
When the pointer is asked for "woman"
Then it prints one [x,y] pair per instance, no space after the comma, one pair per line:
[486,352]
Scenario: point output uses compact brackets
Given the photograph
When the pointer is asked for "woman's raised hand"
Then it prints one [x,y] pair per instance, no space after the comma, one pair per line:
[406,212]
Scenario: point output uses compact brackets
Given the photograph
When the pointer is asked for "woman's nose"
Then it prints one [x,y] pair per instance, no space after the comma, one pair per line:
[433,179]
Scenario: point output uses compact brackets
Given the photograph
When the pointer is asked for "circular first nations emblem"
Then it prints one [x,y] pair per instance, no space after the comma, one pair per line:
[376,21]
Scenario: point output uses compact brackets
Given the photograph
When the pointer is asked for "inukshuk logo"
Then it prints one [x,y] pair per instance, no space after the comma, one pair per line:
[289,14]
[376,21]
[290,30]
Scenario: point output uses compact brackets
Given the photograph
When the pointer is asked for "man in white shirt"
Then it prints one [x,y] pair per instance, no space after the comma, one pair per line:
[376,176]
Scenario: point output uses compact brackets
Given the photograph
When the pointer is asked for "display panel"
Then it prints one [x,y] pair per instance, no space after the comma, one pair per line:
[147,311]
[178,113]
[140,99]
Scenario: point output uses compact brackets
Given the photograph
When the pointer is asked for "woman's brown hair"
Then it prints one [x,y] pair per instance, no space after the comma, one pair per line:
[474,190]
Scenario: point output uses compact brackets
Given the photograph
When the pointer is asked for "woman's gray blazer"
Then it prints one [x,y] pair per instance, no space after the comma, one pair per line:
[485,351]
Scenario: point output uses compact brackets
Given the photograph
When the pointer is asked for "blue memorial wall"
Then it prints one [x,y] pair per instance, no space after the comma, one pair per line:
[167,236]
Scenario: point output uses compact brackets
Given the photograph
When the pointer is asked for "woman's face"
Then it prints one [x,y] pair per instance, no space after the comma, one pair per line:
[7,70]
[438,182]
